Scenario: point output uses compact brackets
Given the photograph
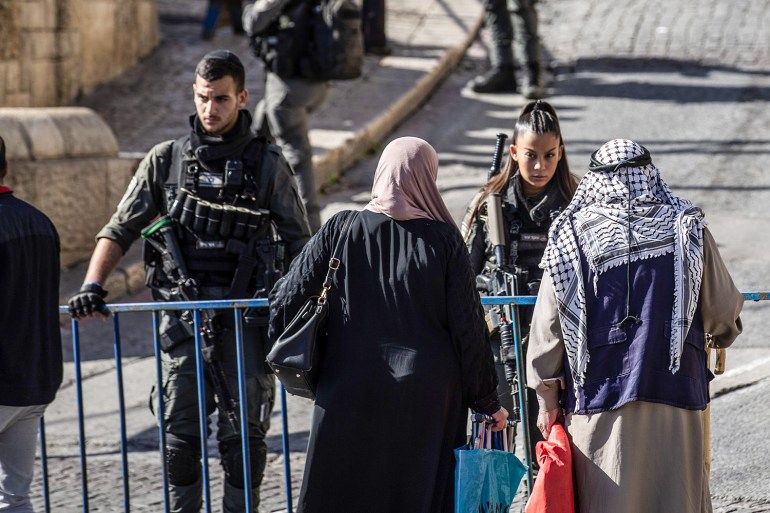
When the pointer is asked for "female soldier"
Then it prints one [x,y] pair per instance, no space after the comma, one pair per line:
[535,184]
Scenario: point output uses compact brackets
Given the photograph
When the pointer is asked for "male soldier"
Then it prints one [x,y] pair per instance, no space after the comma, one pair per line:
[289,98]
[199,182]
[30,342]
[504,19]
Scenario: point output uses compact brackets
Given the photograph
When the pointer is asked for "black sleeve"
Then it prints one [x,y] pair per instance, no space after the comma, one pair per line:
[285,204]
[476,243]
[305,276]
[469,333]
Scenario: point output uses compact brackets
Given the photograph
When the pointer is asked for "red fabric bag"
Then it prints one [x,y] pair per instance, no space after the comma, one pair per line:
[553,490]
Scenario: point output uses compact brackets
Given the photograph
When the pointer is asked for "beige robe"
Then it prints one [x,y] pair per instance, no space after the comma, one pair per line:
[643,457]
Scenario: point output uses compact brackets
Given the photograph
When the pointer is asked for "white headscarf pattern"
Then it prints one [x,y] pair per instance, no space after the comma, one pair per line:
[604,207]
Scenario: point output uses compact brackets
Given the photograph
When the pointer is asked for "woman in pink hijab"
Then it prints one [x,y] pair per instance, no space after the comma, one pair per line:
[407,351]
[405,183]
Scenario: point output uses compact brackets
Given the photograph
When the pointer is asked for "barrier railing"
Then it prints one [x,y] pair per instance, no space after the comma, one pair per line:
[236,307]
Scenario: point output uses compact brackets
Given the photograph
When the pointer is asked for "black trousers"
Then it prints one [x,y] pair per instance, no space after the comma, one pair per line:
[373,23]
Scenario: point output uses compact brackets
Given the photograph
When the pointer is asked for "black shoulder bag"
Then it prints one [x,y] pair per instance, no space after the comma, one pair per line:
[295,355]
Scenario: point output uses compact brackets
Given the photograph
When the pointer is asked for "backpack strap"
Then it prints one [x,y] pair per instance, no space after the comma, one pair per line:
[176,175]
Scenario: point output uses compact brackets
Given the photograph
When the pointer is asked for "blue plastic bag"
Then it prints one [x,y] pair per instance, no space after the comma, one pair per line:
[486,480]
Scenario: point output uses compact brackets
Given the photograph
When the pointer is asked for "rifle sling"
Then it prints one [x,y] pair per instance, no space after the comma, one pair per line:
[247,262]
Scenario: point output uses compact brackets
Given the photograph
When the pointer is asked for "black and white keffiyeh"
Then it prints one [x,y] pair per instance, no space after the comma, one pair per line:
[605,206]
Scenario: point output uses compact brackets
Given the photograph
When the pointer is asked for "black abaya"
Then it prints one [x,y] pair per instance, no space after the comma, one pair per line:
[407,353]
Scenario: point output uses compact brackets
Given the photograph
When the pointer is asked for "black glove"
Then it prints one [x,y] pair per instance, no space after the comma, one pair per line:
[90,299]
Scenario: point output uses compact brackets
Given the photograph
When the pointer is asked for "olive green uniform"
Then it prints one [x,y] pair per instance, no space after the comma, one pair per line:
[147,198]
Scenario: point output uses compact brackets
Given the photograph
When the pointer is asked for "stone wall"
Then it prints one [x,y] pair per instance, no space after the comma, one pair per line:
[65,162]
[51,51]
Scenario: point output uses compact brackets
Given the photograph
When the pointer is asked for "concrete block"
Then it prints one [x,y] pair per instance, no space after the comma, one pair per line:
[119,173]
[64,132]
[4,84]
[68,44]
[22,178]
[11,72]
[43,137]
[44,46]
[70,78]
[84,132]
[78,207]
[96,25]
[14,135]
[71,47]
[9,35]
[50,11]
[74,194]
[42,84]
[148,30]
[20,99]
[33,15]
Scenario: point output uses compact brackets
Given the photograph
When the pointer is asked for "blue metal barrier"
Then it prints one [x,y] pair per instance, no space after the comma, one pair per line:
[237,307]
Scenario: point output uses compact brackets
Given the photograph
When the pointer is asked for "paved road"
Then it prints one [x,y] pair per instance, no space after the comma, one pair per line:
[689,79]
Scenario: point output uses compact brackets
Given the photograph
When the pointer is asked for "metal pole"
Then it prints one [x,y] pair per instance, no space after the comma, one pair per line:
[161,408]
[122,413]
[245,452]
[44,465]
[522,394]
[81,422]
[286,449]
[202,416]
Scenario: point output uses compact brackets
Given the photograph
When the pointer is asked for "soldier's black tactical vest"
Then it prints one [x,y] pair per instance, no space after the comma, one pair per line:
[226,237]
[526,234]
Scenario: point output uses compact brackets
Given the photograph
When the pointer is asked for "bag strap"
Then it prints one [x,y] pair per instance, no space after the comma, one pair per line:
[334,261]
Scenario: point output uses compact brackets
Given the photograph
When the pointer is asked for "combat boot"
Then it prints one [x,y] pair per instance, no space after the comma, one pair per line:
[499,79]
[532,86]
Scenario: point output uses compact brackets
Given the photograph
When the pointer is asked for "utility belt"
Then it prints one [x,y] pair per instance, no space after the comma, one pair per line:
[214,219]
[239,257]
[176,327]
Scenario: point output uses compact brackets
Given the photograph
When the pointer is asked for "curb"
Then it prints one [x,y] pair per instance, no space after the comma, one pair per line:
[128,280]
[344,156]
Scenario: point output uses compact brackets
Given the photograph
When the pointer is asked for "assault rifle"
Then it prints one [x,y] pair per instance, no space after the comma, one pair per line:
[162,236]
[500,281]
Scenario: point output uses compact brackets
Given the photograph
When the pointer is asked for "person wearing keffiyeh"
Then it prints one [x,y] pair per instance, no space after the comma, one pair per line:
[632,283]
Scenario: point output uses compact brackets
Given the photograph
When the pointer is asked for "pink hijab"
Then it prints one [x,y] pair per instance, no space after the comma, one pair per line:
[405,182]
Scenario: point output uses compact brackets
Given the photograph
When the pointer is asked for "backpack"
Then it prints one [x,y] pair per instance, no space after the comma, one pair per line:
[334,48]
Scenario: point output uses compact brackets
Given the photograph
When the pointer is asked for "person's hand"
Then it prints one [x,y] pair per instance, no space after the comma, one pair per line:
[500,417]
[88,301]
[546,419]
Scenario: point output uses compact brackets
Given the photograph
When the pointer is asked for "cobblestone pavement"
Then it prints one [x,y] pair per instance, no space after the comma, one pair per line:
[709,32]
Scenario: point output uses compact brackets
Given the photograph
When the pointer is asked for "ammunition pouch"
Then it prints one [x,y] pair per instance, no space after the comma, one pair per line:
[177,327]
[211,219]
[173,330]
